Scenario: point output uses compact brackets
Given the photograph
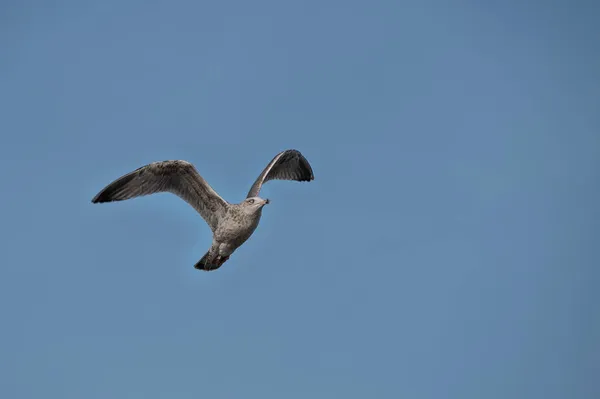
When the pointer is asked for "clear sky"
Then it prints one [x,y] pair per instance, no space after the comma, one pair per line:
[447,248]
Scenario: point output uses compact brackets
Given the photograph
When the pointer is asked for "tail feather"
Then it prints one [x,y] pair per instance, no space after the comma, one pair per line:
[203,264]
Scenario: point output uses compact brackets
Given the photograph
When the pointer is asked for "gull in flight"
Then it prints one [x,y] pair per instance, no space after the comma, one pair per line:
[231,224]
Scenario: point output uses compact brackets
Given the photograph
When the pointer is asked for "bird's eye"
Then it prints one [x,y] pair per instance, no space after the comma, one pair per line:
[251,201]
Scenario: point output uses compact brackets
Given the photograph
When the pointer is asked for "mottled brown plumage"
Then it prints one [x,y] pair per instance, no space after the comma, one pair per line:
[231,224]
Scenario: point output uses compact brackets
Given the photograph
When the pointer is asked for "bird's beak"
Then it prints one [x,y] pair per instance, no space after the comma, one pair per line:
[267,201]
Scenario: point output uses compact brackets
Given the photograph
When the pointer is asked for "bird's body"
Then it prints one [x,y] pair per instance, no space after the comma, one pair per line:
[237,226]
[231,224]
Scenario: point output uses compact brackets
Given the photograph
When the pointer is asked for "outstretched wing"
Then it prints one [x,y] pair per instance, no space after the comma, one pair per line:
[287,165]
[177,177]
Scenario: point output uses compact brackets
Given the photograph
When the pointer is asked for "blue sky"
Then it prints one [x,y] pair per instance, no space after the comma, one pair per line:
[447,248]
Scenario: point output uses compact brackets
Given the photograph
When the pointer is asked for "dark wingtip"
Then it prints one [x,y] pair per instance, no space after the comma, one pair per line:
[307,172]
[107,194]
[100,198]
[312,176]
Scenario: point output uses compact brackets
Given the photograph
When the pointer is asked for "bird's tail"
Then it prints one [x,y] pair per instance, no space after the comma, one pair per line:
[203,263]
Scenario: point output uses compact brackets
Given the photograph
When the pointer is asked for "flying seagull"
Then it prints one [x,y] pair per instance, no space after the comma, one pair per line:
[231,224]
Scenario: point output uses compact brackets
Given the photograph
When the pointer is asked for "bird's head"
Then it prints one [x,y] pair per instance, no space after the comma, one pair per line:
[254,204]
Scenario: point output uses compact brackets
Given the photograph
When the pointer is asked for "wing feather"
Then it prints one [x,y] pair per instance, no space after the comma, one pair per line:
[287,165]
[177,177]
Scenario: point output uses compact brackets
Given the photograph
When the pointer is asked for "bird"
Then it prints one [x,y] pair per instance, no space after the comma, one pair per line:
[231,224]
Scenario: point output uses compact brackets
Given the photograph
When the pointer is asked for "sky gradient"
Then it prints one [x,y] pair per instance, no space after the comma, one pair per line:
[447,248]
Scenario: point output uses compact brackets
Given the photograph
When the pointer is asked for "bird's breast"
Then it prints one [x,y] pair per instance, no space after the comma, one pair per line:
[236,228]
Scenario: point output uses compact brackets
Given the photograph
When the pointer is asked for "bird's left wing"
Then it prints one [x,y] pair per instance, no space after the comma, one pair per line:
[287,165]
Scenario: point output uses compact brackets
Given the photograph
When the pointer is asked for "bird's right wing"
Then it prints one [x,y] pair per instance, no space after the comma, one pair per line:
[177,177]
